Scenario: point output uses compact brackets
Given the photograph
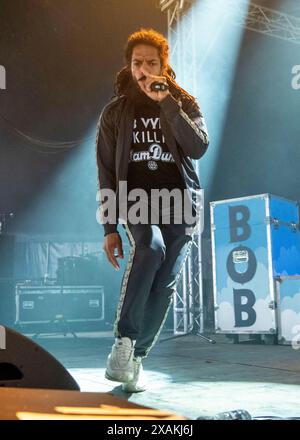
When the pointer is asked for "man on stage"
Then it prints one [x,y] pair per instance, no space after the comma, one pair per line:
[148,138]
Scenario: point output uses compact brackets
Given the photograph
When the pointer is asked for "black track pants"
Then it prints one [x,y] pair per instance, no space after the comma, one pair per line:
[156,256]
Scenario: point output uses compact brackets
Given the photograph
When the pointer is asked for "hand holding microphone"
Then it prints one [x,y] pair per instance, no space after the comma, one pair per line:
[156,87]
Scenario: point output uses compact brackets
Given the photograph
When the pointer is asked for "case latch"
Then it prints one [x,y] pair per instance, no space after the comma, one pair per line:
[294,226]
[275,222]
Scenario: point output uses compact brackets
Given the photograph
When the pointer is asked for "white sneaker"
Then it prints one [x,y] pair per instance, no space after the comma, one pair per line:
[138,383]
[120,361]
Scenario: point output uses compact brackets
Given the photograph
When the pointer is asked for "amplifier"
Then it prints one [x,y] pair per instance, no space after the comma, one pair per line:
[46,304]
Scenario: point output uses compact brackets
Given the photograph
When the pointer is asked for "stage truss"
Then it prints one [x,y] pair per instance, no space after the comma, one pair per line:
[188,298]
[259,19]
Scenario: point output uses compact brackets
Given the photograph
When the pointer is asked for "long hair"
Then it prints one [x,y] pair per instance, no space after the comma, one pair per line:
[124,82]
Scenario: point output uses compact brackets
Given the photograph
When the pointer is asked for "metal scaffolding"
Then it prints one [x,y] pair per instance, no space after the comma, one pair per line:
[259,19]
[188,298]
[268,22]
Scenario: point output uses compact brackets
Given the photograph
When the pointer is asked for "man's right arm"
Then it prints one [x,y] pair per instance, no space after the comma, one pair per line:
[106,153]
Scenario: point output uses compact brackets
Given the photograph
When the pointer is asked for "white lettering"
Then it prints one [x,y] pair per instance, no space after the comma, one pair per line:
[149,137]
[2,78]
[136,137]
[152,121]
[124,430]
[296,78]
[159,201]
[107,212]
[2,338]
[155,152]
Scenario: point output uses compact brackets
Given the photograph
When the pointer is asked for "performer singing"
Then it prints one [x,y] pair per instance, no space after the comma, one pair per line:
[148,136]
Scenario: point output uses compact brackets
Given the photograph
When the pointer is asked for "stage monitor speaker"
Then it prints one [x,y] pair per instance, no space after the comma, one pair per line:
[25,364]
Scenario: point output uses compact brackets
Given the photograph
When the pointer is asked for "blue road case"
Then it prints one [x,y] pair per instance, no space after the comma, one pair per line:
[254,240]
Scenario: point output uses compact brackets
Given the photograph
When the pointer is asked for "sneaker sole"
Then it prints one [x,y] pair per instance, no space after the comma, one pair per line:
[128,389]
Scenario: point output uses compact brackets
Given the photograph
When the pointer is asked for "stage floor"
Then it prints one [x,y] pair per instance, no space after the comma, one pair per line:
[192,377]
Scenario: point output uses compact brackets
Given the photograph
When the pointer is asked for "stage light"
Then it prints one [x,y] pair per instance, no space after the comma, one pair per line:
[205,46]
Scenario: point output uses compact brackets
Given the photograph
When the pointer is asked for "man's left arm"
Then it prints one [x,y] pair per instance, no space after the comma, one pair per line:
[187,124]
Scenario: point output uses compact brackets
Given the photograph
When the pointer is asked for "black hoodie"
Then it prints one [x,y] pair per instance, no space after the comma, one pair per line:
[184,130]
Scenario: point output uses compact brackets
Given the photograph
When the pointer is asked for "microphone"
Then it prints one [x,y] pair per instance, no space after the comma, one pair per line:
[157,86]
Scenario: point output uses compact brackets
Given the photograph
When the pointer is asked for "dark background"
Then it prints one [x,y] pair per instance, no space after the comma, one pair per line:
[61,58]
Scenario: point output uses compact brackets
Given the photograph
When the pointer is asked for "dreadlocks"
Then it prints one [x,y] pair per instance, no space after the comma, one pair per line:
[150,37]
